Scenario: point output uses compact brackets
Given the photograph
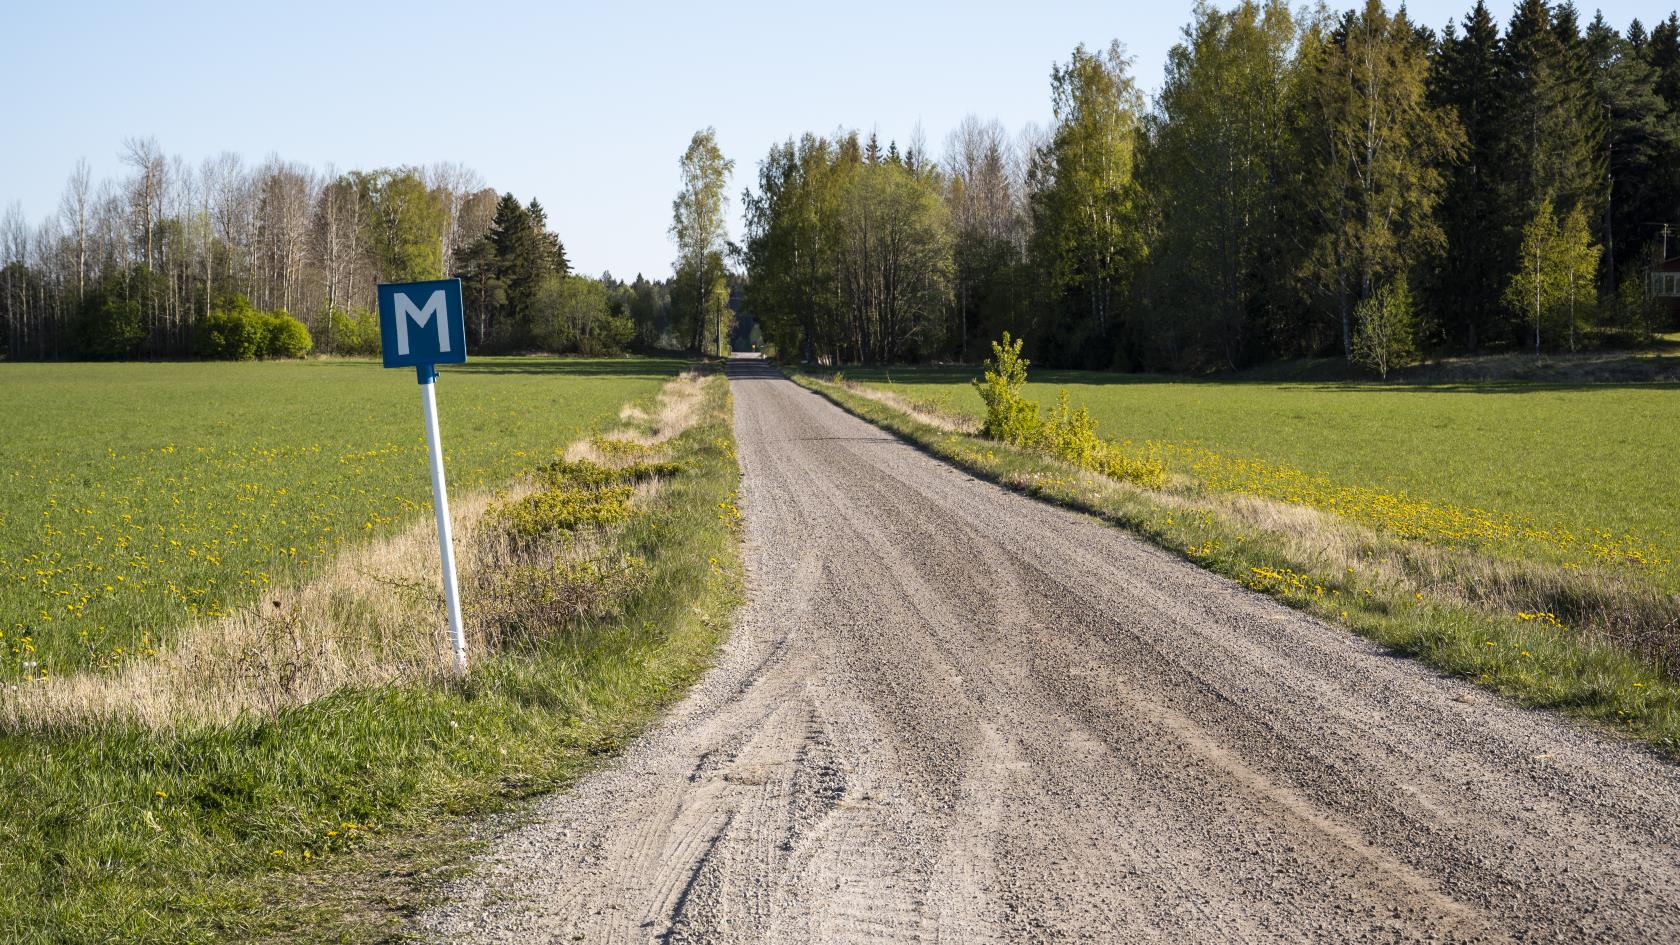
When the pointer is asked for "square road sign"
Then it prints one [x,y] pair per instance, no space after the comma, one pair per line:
[422,323]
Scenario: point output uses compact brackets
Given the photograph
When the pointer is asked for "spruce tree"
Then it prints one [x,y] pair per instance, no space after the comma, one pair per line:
[1475,216]
[553,251]
[1556,128]
[1641,144]
[1664,56]
[519,266]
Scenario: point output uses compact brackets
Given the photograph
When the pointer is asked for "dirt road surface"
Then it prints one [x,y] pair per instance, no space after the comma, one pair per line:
[952,714]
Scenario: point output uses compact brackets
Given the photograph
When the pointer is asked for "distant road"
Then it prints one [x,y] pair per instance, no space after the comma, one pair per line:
[953,714]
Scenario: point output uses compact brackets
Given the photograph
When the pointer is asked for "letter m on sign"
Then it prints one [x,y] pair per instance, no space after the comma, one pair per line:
[422,323]
[433,309]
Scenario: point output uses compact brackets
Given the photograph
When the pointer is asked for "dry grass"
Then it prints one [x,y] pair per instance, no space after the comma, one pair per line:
[374,616]
[676,409]
[921,411]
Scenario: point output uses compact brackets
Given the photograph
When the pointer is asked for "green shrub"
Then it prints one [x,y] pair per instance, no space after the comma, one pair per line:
[285,336]
[239,332]
[1010,416]
[1069,433]
[234,333]
[565,474]
[352,332]
[551,511]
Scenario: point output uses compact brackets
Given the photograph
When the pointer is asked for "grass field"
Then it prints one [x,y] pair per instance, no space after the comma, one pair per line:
[318,815]
[1583,474]
[135,498]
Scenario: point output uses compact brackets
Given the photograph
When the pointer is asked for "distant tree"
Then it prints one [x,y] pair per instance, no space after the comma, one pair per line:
[1210,170]
[1635,311]
[574,315]
[1578,261]
[1086,239]
[1375,155]
[111,323]
[1556,126]
[988,229]
[791,225]
[1477,222]
[893,254]
[1641,143]
[1387,334]
[1557,278]
[697,225]
[404,224]
[1536,287]
[548,243]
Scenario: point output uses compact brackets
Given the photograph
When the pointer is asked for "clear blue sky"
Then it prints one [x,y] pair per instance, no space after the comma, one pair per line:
[585,106]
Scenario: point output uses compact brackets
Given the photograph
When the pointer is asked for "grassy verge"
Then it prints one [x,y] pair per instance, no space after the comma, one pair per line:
[1446,607]
[308,823]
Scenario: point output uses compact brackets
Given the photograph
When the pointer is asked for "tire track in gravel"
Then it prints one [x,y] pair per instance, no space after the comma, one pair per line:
[949,713]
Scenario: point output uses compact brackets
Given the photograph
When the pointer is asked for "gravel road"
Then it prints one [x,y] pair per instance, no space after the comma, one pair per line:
[953,714]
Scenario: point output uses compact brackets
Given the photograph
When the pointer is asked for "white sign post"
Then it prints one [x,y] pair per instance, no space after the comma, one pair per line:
[446,534]
[443,341]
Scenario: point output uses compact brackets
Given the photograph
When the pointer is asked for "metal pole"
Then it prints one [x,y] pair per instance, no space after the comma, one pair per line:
[440,503]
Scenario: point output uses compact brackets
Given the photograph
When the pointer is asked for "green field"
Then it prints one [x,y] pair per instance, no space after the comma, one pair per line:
[1589,469]
[321,820]
[135,498]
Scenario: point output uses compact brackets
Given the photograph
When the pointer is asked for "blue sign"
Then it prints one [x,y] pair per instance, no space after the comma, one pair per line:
[422,323]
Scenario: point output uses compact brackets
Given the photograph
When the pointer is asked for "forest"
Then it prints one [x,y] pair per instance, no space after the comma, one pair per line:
[1304,183]
[230,261]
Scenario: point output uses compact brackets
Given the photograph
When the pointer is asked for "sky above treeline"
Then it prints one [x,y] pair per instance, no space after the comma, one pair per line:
[586,107]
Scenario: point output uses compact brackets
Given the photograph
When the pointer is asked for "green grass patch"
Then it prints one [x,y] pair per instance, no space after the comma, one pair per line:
[311,825]
[1570,474]
[1415,598]
[135,498]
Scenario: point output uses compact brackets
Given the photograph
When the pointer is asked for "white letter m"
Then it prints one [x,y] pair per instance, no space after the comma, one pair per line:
[434,307]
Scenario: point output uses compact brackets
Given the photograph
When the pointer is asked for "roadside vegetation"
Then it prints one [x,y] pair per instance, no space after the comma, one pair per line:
[1525,602]
[281,769]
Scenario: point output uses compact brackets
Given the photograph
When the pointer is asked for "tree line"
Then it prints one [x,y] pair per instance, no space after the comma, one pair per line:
[221,259]
[1299,179]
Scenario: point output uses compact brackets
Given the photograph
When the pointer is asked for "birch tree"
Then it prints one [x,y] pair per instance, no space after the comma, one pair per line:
[697,225]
